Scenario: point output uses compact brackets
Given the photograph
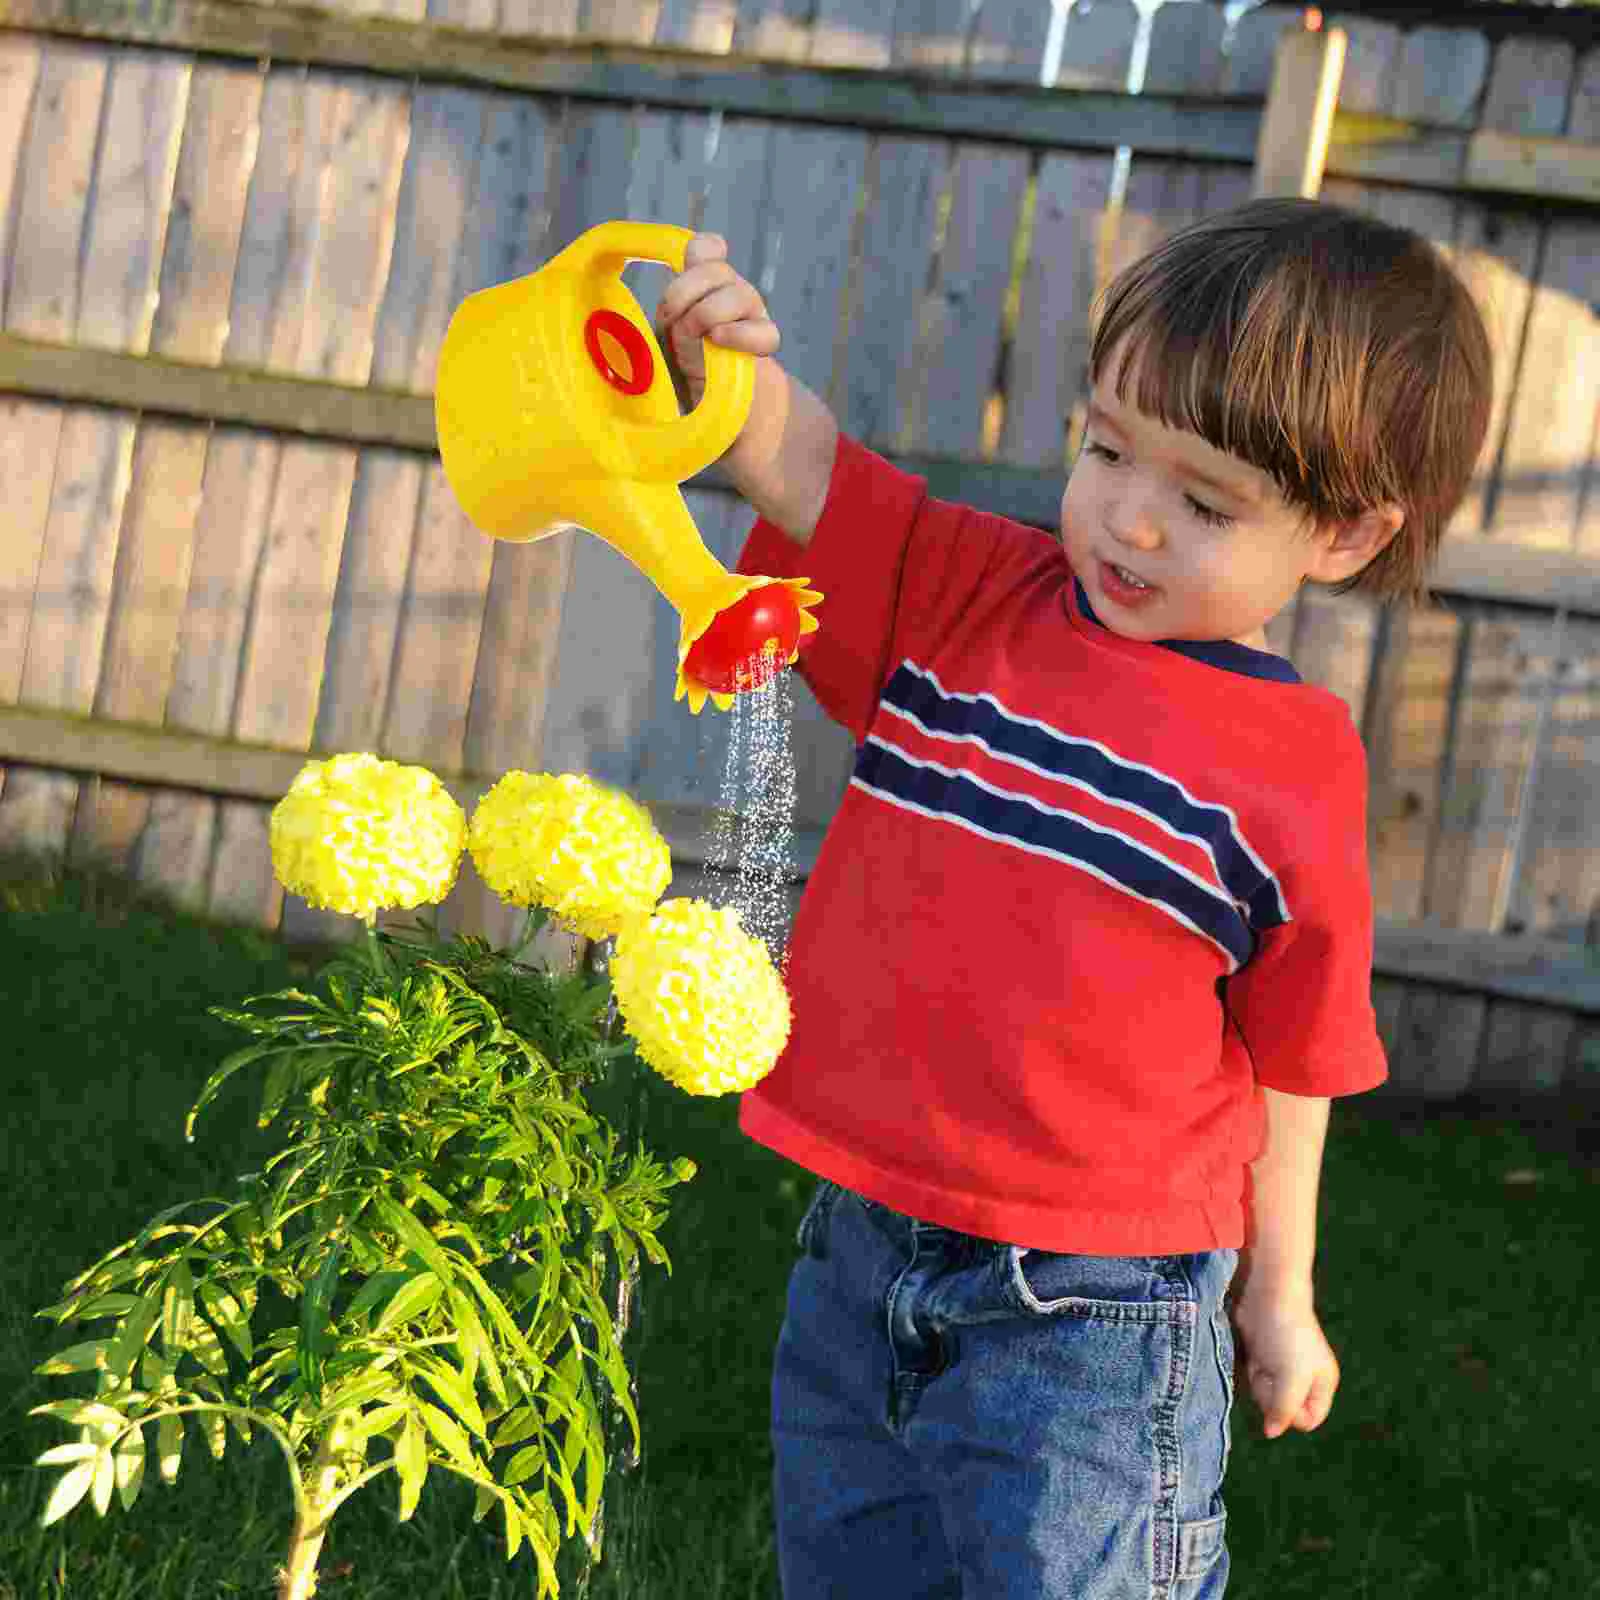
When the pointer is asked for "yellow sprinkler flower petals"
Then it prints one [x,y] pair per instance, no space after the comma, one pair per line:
[701,997]
[589,854]
[357,834]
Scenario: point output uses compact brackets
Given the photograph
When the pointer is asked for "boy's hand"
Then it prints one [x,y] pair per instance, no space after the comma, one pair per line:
[709,299]
[1290,1365]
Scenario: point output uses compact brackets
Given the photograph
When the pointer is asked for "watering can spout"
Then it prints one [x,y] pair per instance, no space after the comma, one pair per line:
[554,409]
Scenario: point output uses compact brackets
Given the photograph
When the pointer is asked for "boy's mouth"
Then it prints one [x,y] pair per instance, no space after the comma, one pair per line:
[1125,587]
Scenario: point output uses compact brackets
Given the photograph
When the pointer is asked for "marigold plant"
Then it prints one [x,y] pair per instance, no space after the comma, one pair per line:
[432,1273]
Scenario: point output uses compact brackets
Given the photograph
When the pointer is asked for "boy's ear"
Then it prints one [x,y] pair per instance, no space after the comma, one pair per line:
[1346,547]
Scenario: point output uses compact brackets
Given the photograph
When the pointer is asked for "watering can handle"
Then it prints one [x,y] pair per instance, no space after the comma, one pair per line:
[675,450]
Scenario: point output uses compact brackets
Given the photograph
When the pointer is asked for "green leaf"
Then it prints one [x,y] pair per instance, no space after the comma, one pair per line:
[425,1191]
[544,1552]
[522,1424]
[108,1305]
[411,1300]
[230,1316]
[412,1233]
[60,1455]
[513,1526]
[240,1425]
[523,1465]
[230,1065]
[80,1413]
[483,1501]
[130,1466]
[276,1090]
[475,1346]
[411,1465]
[378,1287]
[133,1335]
[499,1316]
[448,1432]
[206,1347]
[214,1427]
[70,1488]
[358,1391]
[594,1471]
[88,1357]
[455,1390]
[169,1446]
[105,1481]
[177,1311]
[378,1421]
[314,1332]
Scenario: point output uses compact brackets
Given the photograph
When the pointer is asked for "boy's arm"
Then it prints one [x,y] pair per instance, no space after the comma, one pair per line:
[782,461]
[1281,1217]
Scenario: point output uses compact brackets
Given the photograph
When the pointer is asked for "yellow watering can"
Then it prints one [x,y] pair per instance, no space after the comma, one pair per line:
[555,409]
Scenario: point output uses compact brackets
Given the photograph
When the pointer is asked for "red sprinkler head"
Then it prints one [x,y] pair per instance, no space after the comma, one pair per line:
[748,643]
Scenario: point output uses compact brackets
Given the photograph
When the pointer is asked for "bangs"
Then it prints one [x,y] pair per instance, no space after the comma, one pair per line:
[1238,351]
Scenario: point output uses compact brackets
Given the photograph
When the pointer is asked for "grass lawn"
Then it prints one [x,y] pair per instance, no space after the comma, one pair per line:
[1457,1464]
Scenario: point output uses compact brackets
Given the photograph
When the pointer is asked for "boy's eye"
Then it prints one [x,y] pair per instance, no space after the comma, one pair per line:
[1093,447]
[1214,519]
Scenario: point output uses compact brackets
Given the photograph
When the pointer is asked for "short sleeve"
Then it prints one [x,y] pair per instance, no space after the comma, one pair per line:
[888,560]
[1303,1002]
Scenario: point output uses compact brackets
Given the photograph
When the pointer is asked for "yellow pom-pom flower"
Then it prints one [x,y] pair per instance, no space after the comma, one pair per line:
[357,834]
[589,854]
[700,996]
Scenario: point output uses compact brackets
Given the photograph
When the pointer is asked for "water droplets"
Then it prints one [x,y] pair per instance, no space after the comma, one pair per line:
[752,858]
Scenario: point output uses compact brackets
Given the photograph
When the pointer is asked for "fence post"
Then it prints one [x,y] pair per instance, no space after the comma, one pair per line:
[1298,118]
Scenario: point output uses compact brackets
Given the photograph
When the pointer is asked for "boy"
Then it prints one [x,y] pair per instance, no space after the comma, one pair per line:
[1087,948]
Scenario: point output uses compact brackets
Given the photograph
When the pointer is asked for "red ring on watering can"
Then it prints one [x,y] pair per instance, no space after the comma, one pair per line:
[633,345]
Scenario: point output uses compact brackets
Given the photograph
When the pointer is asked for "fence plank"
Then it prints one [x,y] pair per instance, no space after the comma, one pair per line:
[198,253]
[546,19]
[52,165]
[375,601]
[266,308]
[1049,355]
[704,25]
[904,178]
[1097,46]
[1439,75]
[852,33]
[775,30]
[932,36]
[1372,54]
[352,221]
[1251,47]
[29,433]
[20,57]
[1186,50]
[959,318]
[1008,41]
[144,95]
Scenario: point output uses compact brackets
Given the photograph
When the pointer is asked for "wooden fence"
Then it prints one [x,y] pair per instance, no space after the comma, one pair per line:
[231,238]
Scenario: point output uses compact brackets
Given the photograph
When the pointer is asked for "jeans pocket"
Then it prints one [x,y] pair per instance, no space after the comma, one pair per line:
[1047,1283]
[812,1234]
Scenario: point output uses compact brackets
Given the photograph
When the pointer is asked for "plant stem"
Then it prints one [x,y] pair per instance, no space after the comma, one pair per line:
[297,1579]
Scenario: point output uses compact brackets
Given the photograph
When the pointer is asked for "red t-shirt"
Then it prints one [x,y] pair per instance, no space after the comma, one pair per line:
[1082,896]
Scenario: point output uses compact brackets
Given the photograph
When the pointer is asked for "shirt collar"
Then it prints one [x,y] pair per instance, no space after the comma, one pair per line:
[1225,653]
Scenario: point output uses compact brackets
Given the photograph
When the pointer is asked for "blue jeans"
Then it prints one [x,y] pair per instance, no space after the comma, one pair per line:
[955,1419]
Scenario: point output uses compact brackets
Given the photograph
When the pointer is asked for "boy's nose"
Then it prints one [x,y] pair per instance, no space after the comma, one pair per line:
[1130,523]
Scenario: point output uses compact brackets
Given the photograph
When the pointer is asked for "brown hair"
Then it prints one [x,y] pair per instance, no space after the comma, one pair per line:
[1338,354]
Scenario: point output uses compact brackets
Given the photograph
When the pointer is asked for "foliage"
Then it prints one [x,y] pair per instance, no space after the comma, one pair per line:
[425,1264]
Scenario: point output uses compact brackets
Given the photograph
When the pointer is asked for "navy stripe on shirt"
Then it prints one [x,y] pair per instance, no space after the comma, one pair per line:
[1129,865]
[916,694]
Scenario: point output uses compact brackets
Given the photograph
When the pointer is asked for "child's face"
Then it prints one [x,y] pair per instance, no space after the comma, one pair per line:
[1219,549]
